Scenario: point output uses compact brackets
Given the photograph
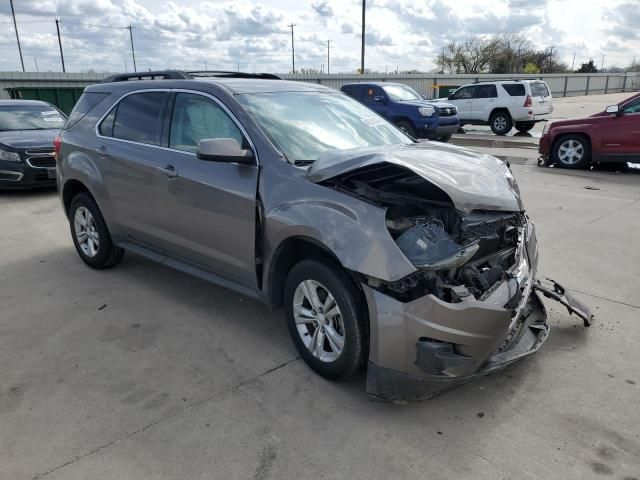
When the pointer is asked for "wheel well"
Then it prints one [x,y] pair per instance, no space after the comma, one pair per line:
[403,119]
[288,253]
[70,190]
[496,110]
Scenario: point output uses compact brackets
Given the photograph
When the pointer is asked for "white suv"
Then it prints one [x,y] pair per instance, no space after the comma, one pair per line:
[503,105]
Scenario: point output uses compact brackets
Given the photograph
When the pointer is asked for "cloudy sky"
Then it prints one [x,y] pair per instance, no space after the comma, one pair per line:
[254,35]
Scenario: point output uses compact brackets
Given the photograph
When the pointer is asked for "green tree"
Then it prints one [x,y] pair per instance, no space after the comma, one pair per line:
[531,68]
[588,67]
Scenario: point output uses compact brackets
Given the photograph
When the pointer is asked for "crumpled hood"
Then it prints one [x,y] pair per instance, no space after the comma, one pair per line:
[21,139]
[473,181]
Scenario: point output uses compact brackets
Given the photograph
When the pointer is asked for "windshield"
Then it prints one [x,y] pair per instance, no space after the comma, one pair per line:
[401,92]
[30,118]
[305,125]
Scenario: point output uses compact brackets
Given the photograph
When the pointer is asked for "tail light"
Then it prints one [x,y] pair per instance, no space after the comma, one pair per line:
[528,102]
[57,143]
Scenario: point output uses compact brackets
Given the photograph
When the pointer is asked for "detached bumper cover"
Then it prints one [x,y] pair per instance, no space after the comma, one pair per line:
[427,346]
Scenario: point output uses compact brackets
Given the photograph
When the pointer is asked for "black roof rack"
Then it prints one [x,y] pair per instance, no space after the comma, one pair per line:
[155,75]
[179,75]
[232,74]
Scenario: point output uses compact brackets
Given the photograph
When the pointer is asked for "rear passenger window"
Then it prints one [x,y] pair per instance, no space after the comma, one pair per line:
[514,89]
[539,89]
[106,127]
[138,118]
[486,91]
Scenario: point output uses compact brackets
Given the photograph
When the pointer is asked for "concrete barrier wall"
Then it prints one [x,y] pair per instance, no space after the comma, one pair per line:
[560,84]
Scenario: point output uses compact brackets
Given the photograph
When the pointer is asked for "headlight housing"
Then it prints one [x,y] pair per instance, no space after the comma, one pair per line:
[9,156]
[427,111]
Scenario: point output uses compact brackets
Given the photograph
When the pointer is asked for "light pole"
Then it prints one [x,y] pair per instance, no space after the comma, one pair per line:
[60,44]
[364,7]
[328,55]
[293,50]
[15,26]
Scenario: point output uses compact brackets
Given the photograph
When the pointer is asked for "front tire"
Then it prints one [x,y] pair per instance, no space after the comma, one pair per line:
[572,151]
[445,138]
[407,128]
[501,123]
[326,319]
[90,234]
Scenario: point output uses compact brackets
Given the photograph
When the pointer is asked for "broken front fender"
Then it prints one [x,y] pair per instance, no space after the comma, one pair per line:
[553,290]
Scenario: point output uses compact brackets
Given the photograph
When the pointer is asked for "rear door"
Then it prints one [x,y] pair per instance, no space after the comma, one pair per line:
[131,161]
[207,211]
[485,99]
[620,134]
[463,99]
[541,101]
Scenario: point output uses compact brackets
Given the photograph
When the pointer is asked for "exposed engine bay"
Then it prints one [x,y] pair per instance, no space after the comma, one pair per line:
[457,256]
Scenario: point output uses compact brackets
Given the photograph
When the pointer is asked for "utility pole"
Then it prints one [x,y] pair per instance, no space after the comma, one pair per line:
[35,60]
[60,44]
[133,50]
[293,50]
[15,26]
[550,60]
[364,8]
[573,62]
[602,64]
[328,55]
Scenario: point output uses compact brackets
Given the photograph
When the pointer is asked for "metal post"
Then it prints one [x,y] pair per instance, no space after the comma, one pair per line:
[364,7]
[624,84]
[133,50]
[328,48]
[566,81]
[293,50]
[586,92]
[15,26]
[60,44]
[606,85]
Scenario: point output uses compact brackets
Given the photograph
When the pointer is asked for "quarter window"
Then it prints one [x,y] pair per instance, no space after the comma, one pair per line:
[196,118]
[514,89]
[137,118]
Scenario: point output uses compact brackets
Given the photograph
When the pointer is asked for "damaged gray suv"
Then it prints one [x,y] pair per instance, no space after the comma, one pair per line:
[416,260]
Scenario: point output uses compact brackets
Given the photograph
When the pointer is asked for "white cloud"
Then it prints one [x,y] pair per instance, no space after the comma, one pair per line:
[400,33]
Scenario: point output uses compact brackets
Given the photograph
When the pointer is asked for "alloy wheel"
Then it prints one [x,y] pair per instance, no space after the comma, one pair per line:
[500,123]
[570,152]
[318,320]
[86,233]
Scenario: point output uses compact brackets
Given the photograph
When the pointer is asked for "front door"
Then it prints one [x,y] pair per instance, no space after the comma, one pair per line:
[462,99]
[376,100]
[131,162]
[207,210]
[620,134]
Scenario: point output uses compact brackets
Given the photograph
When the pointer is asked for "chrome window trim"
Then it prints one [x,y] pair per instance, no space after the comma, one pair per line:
[175,90]
[9,172]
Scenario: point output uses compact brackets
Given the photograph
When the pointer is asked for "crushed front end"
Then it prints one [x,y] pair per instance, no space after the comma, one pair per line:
[470,307]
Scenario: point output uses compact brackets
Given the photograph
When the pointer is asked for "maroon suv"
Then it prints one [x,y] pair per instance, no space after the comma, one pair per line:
[609,136]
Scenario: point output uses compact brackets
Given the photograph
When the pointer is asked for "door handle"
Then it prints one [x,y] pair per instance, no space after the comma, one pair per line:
[170,171]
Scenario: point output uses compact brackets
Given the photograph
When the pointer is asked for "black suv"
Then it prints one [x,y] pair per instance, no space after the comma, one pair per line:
[27,131]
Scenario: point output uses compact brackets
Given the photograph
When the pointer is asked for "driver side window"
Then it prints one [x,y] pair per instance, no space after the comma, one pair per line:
[463,94]
[195,118]
[633,107]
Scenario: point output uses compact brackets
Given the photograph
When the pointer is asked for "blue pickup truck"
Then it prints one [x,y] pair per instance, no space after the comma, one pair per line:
[407,109]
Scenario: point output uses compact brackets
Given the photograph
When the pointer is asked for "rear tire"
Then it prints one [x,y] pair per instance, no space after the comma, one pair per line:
[90,234]
[407,128]
[572,151]
[524,126]
[501,122]
[326,318]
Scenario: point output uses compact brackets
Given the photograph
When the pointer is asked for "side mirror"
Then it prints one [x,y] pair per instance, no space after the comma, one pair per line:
[614,109]
[450,97]
[378,98]
[223,150]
